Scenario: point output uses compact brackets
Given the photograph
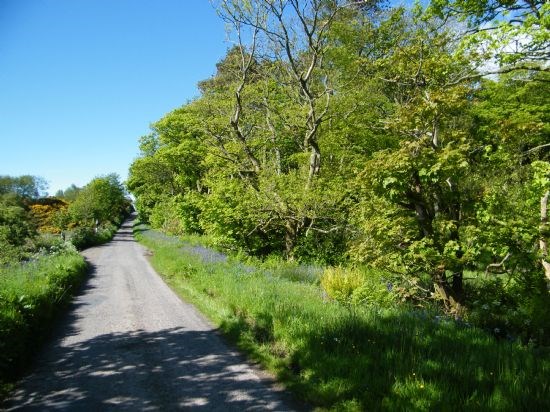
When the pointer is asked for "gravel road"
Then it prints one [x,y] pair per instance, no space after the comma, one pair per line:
[129,343]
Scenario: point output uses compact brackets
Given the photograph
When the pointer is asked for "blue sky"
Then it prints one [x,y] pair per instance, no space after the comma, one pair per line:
[81,80]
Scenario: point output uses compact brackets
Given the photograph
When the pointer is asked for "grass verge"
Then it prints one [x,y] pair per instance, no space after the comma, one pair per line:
[363,359]
[31,294]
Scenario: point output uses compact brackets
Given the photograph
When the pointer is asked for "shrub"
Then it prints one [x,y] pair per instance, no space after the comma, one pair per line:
[511,308]
[31,294]
[340,283]
[83,237]
[16,228]
[359,286]
[8,252]
[45,211]
[376,289]
[47,241]
[165,215]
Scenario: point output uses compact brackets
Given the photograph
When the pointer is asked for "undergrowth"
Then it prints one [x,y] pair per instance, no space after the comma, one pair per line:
[84,237]
[342,357]
[31,294]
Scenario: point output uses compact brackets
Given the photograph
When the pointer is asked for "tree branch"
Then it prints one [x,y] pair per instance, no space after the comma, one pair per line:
[497,265]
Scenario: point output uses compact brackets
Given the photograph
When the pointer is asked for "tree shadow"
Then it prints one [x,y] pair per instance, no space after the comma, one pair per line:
[168,369]
[400,362]
[123,236]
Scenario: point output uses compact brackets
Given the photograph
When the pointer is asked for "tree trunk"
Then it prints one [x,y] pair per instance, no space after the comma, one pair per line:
[458,269]
[291,234]
[424,220]
[446,292]
[314,162]
[543,230]
[423,215]
[458,285]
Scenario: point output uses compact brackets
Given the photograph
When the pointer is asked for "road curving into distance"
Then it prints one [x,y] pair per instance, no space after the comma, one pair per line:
[129,343]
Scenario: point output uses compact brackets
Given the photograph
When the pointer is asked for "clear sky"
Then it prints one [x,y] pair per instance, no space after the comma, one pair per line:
[82,80]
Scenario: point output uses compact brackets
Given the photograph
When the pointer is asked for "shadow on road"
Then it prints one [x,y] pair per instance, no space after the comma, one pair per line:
[167,369]
[161,368]
[164,370]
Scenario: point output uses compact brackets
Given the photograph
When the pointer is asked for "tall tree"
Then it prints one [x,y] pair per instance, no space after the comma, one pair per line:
[283,88]
[27,186]
[507,34]
[100,201]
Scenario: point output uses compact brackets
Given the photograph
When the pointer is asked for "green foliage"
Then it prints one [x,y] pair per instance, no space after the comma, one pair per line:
[495,25]
[16,229]
[366,359]
[92,216]
[171,162]
[376,290]
[100,201]
[512,308]
[360,286]
[31,295]
[176,215]
[375,141]
[51,244]
[228,214]
[17,226]
[83,236]
[341,284]
[68,194]
[164,215]
[30,187]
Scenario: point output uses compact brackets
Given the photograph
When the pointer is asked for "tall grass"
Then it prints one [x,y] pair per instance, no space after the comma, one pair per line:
[339,358]
[31,294]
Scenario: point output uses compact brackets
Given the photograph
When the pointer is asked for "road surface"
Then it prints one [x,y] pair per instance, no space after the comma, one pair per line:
[129,343]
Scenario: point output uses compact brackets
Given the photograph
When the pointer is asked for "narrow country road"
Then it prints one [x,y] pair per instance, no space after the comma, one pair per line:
[129,343]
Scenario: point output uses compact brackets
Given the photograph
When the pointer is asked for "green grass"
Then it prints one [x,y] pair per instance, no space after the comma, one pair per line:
[362,359]
[31,294]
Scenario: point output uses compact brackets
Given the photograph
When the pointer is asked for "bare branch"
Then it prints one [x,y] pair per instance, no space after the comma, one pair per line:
[492,266]
[542,146]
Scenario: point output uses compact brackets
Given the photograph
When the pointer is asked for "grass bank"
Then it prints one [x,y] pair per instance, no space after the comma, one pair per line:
[363,359]
[31,295]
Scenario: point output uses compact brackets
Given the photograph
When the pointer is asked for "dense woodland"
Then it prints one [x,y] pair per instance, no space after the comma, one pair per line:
[360,135]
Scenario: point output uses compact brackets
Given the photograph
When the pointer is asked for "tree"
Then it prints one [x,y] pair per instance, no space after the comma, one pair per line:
[512,34]
[170,168]
[281,84]
[414,190]
[16,229]
[512,125]
[344,132]
[100,201]
[27,186]
[296,35]
[450,181]
[69,194]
